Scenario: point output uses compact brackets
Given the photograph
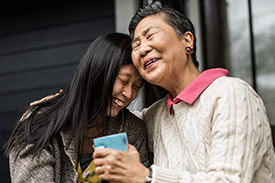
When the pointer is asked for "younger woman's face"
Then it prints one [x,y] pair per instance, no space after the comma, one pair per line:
[126,86]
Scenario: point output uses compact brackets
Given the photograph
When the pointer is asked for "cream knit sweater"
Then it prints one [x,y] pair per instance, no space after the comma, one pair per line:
[224,136]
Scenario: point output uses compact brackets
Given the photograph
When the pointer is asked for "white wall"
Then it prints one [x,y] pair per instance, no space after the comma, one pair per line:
[194,16]
[124,11]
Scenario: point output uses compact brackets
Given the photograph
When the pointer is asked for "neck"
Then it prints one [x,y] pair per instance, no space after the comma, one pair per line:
[183,79]
[90,134]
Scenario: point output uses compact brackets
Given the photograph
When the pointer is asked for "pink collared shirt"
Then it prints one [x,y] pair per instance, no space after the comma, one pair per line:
[196,87]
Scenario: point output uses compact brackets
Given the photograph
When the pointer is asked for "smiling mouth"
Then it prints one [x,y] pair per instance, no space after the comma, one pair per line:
[149,63]
[118,103]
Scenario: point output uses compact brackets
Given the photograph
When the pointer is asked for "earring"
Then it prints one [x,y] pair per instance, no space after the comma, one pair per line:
[189,50]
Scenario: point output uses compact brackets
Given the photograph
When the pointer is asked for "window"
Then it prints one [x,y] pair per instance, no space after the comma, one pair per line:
[238,52]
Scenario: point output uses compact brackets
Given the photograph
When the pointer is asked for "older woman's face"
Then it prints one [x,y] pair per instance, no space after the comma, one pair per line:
[126,87]
[158,53]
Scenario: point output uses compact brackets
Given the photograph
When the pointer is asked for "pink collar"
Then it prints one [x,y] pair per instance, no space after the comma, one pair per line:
[196,87]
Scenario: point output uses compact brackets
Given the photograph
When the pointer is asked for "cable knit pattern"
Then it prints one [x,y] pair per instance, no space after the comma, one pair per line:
[224,136]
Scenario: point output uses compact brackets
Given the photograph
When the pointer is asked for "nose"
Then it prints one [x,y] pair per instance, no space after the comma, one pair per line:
[144,48]
[127,92]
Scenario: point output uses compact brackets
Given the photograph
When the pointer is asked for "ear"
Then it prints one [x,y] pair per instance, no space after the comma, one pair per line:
[188,38]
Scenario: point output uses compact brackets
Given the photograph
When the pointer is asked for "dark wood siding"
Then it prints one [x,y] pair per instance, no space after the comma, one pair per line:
[40,47]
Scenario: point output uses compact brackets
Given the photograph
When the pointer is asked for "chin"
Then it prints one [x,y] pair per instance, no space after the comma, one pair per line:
[152,80]
[153,77]
[114,113]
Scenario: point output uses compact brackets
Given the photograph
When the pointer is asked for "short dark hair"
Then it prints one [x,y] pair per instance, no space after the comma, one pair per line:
[175,19]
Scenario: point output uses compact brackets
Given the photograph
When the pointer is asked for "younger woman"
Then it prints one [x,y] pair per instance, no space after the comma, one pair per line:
[52,142]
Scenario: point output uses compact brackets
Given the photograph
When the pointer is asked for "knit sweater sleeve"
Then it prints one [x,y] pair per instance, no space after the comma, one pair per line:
[240,138]
[32,168]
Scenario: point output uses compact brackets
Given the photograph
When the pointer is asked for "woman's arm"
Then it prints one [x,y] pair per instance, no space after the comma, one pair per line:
[32,168]
[240,150]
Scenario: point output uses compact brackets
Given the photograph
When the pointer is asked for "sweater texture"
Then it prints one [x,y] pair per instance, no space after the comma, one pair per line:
[57,162]
[223,136]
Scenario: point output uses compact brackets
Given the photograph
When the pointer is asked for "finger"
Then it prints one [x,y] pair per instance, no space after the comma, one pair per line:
[131,147]
[103,152]
[43,99]
[33,103]
[106,169]
[37,102]
[98,170]
[112,160]
[99,162]
[112,178]
[104,156]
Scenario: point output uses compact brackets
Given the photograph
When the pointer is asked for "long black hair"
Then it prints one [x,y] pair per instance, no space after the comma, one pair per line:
[179,22]
[82,104]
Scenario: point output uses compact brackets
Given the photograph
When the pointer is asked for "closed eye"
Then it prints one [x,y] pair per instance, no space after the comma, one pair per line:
[151,32]
[123,81]
[137,86]
[135,45]
[149,35]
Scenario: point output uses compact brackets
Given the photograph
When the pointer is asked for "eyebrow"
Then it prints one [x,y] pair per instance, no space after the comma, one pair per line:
[143,33]
[125,74]
[128,75]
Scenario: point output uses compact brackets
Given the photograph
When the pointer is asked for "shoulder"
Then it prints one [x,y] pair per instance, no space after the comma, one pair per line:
[228,94]
[29,111]
[154,110]
[159,104]
[134,127]
[229,82]
[131,116]
[231,86]
[132,120]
